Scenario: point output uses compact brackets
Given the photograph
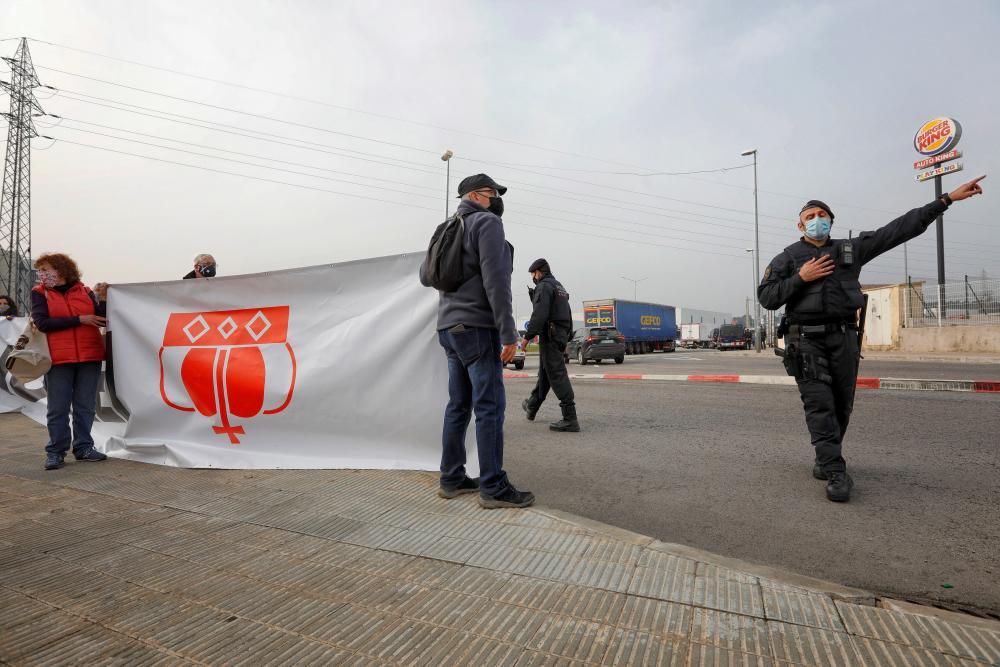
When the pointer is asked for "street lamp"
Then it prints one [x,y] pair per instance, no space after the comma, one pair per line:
[756,241]
[753,290]
[448,154]
[635,286]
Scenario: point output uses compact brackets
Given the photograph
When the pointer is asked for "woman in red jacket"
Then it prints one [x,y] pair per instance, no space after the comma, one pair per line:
[71,316]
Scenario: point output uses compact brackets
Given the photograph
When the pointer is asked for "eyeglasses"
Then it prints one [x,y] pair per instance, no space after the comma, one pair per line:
[487,193]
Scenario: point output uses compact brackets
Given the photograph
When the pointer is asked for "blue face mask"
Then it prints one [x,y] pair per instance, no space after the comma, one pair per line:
[818,228]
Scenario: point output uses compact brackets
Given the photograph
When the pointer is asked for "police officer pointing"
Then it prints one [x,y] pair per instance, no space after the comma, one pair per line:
[552,321]
[817,280]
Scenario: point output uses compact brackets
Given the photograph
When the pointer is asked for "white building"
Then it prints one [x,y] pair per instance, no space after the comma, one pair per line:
[696,316]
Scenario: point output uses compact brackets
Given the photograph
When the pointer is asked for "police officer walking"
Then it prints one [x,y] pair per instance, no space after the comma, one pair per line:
[552,321]
[817,280]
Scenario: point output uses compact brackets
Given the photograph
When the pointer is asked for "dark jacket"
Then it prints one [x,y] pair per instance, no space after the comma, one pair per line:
[551,304]
[189,275]
[484,299]
[837,297]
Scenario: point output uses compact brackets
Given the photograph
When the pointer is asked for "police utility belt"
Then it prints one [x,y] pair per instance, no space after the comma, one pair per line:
[818,329]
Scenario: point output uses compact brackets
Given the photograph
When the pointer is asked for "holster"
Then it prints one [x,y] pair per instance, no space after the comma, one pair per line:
[792,359]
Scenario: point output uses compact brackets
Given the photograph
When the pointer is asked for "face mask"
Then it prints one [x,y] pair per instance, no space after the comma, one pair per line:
[534,280]
[496,206]
[207,271]
[48,278]
[818,228]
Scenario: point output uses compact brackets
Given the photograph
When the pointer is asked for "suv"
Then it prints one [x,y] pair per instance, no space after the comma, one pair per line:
[518,362]
[596,343]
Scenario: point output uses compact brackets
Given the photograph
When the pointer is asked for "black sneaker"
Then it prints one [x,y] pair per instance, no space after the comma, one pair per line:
[53,462]
[819,473]
[509,497]
[467,485]
[838,489]
[529,410]
[90,455]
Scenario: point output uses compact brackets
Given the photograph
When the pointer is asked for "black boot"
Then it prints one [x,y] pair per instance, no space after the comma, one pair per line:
[530,409]
[568,423]
[838,489]
[819,473]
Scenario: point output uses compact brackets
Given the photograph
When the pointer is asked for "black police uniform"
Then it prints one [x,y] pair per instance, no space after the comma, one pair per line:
[822,343]
[552,321]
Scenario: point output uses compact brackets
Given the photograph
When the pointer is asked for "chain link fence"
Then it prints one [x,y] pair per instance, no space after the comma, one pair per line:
[964,303]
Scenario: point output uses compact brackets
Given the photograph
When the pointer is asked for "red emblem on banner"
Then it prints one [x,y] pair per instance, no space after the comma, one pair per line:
[231,364]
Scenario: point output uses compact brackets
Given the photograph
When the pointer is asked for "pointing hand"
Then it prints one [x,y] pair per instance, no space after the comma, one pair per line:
[967,190]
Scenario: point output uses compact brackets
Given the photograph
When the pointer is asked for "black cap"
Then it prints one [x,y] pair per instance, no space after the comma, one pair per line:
[815,203]
[539,265]
[478,182]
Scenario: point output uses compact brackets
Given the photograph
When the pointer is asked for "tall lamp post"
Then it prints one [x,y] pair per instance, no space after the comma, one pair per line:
[756,242]
[635,286]
[753,294]
[448,154]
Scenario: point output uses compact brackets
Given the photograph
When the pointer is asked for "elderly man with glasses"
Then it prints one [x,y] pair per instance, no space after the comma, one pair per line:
[476,328]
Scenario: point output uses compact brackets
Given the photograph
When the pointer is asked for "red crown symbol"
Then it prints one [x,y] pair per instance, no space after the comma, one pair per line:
[233,363]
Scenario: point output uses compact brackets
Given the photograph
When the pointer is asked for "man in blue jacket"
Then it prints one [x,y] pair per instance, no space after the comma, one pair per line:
[476,329]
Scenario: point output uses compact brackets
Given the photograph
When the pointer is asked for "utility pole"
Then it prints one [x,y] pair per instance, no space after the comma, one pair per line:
[15,196]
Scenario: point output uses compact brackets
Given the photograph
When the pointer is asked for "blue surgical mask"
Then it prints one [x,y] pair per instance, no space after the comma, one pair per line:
[818,228]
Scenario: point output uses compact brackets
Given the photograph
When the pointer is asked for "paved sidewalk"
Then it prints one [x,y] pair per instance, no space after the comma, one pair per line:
[127,563]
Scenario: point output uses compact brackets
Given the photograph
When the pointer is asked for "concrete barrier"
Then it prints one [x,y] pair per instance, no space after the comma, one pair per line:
[965,338]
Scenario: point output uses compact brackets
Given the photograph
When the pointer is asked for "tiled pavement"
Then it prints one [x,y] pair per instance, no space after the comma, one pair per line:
[132,564]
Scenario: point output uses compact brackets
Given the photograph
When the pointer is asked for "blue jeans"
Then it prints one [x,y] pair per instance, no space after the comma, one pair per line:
[475,384]
[71,386]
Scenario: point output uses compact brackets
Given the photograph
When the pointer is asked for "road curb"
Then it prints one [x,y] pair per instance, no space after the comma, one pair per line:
[899,384]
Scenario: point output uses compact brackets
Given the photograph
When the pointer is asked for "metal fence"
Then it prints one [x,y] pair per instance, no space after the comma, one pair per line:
[964,303]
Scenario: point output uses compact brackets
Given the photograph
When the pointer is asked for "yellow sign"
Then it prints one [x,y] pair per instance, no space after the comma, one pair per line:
[650,320]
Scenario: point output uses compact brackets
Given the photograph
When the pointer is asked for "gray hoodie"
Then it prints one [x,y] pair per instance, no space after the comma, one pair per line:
[484,299]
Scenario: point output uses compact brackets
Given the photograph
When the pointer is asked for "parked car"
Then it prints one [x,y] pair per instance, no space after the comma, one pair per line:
[518,362]
[596,344]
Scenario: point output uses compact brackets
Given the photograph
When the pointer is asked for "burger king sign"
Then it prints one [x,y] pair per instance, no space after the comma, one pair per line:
[937,136]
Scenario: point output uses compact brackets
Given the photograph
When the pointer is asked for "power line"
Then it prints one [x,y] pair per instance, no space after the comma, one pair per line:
[250,114]
[646,172]
[336,106]
[627,222]
[379,141]
[247,133]
[409,206]
[433,197]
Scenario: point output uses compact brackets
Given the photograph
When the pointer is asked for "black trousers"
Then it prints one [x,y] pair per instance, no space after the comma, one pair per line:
[827,378]
[552,374]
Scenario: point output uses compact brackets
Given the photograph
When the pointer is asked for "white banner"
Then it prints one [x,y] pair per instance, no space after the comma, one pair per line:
[326,367]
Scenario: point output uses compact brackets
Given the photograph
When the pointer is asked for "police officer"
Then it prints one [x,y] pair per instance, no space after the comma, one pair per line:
[817,280]
[552,321]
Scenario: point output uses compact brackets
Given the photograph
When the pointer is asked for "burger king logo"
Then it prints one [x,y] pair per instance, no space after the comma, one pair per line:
[937,136]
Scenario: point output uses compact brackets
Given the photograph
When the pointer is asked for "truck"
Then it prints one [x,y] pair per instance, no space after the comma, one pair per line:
[732,337]
[647,327]
[696,335]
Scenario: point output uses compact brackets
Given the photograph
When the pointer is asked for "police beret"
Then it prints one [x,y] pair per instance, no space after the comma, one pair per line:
[815,203]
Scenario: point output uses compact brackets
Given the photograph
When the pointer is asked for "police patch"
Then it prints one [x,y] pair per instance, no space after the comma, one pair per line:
[767,272]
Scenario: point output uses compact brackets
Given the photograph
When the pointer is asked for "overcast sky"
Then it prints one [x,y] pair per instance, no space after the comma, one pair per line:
[548,98]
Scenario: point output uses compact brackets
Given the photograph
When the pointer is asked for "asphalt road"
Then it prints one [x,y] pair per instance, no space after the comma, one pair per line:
[727,468]
[694,362]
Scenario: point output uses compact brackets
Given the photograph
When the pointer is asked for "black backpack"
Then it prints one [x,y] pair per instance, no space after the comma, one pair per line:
[444,255]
